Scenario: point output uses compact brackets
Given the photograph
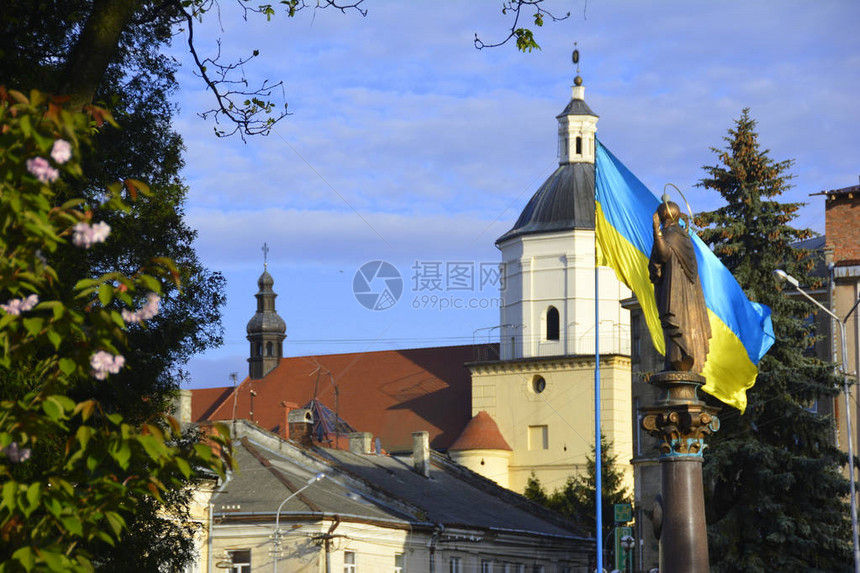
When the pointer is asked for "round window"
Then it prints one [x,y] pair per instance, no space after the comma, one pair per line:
[538,384]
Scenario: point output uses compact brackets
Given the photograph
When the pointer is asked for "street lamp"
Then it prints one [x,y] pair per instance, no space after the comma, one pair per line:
[276,537]
[627,542]
[784,276]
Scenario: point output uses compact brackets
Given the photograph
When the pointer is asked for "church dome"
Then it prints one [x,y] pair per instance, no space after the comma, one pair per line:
[265,282]
[266,320]
[564,202]
[266,323]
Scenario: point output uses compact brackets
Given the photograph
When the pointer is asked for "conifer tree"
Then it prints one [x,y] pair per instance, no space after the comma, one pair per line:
[775,494]
[576,499]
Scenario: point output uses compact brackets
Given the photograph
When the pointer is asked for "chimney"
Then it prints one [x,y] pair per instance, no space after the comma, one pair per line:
[288,407]
[301,424]
[359,442]
[421,453]
[182,407]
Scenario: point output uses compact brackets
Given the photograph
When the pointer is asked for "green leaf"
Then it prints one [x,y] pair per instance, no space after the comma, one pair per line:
[53,409]
[34,496]
[26,126]
[203,451]
[150,283]
[10,488]
[55,560]
[105,294]
[183,466]
[154,448]
[73,525]
[85,283]
[116,522]
[122,454]
[25,556]
[67,366]
[64,401]
[34,325]
[55,338]
[83,435]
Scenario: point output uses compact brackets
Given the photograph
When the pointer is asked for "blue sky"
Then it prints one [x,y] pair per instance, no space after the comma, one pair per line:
[407,144]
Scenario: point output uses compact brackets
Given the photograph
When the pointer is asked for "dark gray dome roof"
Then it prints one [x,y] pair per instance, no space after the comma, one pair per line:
[266,323]
[577,107]
[266,319]
[564,202]
[265,282]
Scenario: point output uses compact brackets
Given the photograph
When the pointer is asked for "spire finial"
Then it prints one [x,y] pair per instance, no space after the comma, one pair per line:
[577,80]
[265,256]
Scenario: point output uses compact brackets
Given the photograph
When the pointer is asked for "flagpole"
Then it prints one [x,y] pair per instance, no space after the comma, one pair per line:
[598,454]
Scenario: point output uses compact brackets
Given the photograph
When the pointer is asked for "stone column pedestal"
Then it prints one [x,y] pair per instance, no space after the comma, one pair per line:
[681,421]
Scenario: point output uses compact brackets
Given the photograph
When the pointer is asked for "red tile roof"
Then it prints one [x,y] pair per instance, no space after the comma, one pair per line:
[389,393]
[205,400]
[481,433]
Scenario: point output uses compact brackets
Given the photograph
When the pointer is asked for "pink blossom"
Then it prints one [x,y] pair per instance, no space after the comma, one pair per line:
[86,236]
[61,151]
[17,454]
[42,170]
[103,363]
[16,306]
[149,310]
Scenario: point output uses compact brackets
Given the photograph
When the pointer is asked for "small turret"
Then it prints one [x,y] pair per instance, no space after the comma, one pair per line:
[266,330]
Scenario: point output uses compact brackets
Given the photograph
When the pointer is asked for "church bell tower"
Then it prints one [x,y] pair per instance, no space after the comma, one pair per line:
[540,391]
[266,329]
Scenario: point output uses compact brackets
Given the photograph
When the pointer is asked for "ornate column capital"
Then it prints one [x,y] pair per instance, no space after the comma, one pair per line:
[680,420]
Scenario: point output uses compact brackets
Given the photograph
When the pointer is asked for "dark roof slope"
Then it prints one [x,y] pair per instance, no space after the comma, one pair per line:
[452,494]
[564,202]
[577,107]
[377,489]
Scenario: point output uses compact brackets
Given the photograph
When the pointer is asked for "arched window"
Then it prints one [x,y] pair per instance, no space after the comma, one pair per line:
[259,349]
[552,329]
[269,348]
[579,146]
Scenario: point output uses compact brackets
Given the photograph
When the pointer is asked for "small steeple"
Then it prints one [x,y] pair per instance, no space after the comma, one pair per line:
[577,124]
[266,330]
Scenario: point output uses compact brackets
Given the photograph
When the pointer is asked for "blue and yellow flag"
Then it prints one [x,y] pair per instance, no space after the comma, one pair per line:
[741,331]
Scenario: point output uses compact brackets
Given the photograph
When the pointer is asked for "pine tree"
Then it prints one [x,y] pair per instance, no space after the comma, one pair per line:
[576,499]
[534,490]
[775,495]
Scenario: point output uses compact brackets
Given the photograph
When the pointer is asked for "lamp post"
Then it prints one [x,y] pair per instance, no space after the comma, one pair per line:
[627,542]
[276,537]
[784,276]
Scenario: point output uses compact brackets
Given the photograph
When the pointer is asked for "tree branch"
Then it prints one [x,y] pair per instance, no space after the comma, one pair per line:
[524,36]
[247,117]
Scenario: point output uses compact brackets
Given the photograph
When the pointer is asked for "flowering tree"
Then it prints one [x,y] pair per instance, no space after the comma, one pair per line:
[93,467]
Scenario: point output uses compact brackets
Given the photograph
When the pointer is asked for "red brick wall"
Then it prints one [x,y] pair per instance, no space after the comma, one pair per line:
[842,227]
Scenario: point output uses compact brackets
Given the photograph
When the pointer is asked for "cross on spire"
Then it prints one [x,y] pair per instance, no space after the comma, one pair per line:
[265,256]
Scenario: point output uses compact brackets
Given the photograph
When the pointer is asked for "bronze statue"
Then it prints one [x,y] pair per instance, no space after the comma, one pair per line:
[680,302]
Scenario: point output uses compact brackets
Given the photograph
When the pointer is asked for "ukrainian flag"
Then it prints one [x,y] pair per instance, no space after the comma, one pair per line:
[741,331]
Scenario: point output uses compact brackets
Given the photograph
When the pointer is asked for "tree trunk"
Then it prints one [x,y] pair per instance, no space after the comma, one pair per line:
[94,49]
